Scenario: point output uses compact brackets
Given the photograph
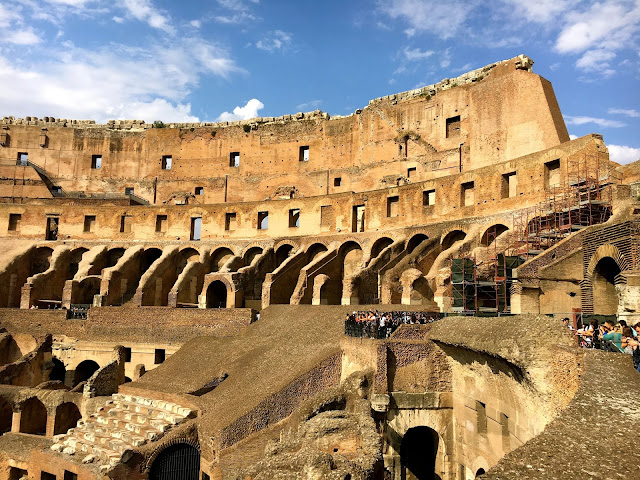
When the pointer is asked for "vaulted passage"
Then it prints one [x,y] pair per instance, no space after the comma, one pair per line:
[217,295]
[34,417]
[605,297]
[179,461]
[5,416]
[84,370]
[418,453]
[67,416]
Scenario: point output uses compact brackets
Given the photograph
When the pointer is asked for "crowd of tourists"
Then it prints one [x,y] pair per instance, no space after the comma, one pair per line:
[607,336]
[375,324]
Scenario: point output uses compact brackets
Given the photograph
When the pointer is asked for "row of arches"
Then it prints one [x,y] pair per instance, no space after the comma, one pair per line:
[33,417]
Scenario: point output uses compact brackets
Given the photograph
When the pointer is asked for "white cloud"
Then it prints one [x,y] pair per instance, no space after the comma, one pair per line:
[276,40]
[311,105]
[442,18]
[601,122]
[250,110]
[195,23]
[623,111]
[145,11]
[540,11]
[240,12]
[623,154]
[573,137]
[21,37]
[416,54]
[595,59]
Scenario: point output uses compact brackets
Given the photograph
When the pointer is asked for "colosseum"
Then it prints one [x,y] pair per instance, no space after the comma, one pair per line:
[378,296]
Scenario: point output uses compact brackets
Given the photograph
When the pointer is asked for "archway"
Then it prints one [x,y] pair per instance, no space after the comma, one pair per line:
[149,256]
[84,371]
[282,253]
[58,372]
[113,256]
[380,245]
[421,292]
[217,295]
[491,233]
[74,262]
[177,461]
[452,237]
[351,256]
[418,452]
[6,416]
[251,254]
[314,250]
[480,472]
[40,260]
[33,419]
[219,257]
[67,416]
[416,240]
[605,296]
[87,289]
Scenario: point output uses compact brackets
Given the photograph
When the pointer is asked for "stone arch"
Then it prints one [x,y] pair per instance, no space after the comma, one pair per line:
[219,256]
[418,453]
[40,260]
[6,415]
[491,233]
[602,276]
[292,244]
[283,252]
[415,288]
[379,245]
[84,370]
[320,294]
[148,257]
[607,250]
[350,254]
[251,254]
[217,294]
[481,471]
[86,290]
[172,442]
[416,240]
[316,247]
[452,237]
[58,372]
[33,417]
[112,256]
[67,416]
[74,261]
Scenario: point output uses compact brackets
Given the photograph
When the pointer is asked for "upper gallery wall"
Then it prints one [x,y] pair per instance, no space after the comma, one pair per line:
[491,115]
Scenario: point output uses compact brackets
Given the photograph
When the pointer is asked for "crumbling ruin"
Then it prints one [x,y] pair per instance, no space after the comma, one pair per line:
[172,299]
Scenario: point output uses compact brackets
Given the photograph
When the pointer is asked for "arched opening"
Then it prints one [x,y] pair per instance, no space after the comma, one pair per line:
[177,461]
[451,238]
[314,250]
[6,416]
[416,240]
[219,257]
[67,416]
[480,472]
[380,245]
[217,295]
[421,292]
[351,255]
[149,256]
[324,298]
[113,256]
[33,419]
[74,262]
[186,256]
[605,296]
[418,452]
[282,253]
[84,370]
[251,254]
[58,372]
[491,233]
[40,260]
[87,289]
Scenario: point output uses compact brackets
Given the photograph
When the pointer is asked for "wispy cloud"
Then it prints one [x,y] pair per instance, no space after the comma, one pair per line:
[311,105]
[415,54]
[250,110]
[623,153]
[274,41]
[237,11]
[441,18]
[145,11]
[623,111]
[601,122]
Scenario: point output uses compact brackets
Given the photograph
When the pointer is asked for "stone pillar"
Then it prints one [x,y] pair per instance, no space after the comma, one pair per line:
[51,424]
[15,422]
[26,294]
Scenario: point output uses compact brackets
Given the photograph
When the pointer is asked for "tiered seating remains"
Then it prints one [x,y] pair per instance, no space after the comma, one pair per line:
[124,423]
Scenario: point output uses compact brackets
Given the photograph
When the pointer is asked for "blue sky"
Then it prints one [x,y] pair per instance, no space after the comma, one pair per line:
[205,60]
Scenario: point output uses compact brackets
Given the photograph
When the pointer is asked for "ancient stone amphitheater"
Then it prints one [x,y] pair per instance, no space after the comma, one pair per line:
[173,297]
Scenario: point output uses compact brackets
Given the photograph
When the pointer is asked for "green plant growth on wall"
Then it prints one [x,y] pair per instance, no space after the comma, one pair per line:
[158,124]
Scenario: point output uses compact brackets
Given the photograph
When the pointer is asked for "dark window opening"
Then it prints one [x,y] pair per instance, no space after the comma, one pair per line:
[509,185]
[70,475]
[128,190]
[17,473]
[453,127]
[263,220]
[125,224]
[481,420]
[411,172]
[199,191]
[337,182]
[89,223]
[159,356]
[467,195]
[127,354]
[304,154]
[47,476]
[294,218]
[14,222]
[96,162]
[230,222]
[23,159]
[393,206]
[205,476]
[428,198]
[167,162]
[56,190]
[161,223]
[196,228]
[234,159]
[52,228]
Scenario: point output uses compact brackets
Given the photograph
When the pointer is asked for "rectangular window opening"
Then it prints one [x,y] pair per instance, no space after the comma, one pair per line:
[552,174]
[89,223]
[230,221]
[234,159]
[14,222]
[128,190]
[294,218]
[23,159]
[393,206]
[47,476]
[127,354]
[337,182]
[263,220]
[161,223]
[358,218]
[509,185]
[56,191]
[52,228]
[96,162]
[304,153]
[326,215]
[160,356]
[70,475]
[196,228]
[481,411]
[453,127]
[199,191]
[428,198]
[17,473]
[411,172]
[467,197]
[167,162]
[125,224]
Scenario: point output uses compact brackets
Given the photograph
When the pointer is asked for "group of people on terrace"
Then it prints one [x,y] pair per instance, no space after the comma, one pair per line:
[618,338]
[375,324]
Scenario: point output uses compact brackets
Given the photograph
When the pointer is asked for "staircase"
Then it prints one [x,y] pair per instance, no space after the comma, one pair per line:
[124,423]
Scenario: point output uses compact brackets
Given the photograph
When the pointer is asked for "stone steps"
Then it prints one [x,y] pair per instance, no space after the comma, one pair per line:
[122,424]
